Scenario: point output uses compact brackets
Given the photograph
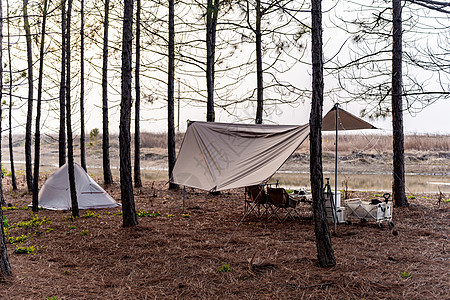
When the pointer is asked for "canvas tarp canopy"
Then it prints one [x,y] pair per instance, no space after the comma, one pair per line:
[220,156]
[346,121]
[55,192]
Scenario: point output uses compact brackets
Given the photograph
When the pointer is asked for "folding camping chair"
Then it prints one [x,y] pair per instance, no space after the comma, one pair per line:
[257,201]
[281,202]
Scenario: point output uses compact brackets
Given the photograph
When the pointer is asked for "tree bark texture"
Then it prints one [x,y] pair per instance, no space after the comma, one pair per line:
[137,106]
[325,253]
[37,133]
[398,182]
[259,70]
[170,94]
[28,160]
[10,138]
[62,90]
[5,267]
[211,23]
[70,160]
[82,126]
[2,199]
[107,176]
[126,180]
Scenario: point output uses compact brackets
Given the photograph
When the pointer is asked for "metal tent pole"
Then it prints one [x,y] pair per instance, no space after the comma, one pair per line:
[336,164]
[184,196]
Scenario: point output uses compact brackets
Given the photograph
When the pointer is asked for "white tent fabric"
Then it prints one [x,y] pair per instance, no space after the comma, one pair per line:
[55,192]
[220,156]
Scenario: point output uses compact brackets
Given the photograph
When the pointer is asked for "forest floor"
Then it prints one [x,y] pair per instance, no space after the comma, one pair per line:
[173,254]
[176,254]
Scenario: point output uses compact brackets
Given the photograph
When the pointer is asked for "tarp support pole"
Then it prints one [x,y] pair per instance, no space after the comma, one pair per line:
[336,167]
[184,195]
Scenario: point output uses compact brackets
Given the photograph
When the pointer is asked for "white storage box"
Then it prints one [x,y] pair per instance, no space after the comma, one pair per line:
[340,214]
[364,210]
[337,201]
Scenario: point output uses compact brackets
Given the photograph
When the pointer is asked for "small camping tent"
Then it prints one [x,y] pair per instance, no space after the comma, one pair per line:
[55,192]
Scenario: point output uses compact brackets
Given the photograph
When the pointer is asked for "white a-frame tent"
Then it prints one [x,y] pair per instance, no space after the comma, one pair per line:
[55,192]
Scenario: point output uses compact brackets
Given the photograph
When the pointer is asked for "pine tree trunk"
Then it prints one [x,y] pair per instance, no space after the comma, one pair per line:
[137,130]
[105,137]
[211,23]
[28,160]
[62,90]
[11,152]
[70,160]
[37,134]
[5,267]
[398,183]
[259,70]
[126,180]
[170,95]
[82,125]
[325,253]
[2,199]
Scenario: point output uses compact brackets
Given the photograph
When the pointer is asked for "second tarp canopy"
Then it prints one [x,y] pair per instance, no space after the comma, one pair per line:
[220,156]
[346,121]
[55,192]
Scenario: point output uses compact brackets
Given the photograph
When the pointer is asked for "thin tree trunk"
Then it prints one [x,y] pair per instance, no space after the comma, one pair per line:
[126,180]
[325,253]
[211,23]
[170,94]
[398,183]
[11,152]
[70,160]
[82,126]
[2,199]
[259,70]
[137,130]
[62,90]
[37,134]
[5,267]
[107,176]
[28,160]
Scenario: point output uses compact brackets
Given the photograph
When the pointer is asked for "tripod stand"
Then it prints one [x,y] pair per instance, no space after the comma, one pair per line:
[330,196]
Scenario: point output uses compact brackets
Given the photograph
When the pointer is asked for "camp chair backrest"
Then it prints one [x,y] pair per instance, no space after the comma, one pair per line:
[257,194]
[278,197]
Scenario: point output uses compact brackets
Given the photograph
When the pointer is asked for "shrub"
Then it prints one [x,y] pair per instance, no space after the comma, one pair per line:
[90,214]
[24,250]
[224,268]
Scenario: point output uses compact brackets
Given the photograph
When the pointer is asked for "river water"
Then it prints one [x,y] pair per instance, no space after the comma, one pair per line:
[294,180]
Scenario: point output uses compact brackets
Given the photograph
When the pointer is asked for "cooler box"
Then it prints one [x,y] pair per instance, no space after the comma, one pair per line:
[340,214]
[337,201]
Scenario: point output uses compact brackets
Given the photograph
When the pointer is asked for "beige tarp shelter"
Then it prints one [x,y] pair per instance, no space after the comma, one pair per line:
[338,119]
[55,192]
[220,156]
[345,121]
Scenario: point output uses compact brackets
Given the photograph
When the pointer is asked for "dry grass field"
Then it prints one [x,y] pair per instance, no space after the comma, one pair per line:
[347,142]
